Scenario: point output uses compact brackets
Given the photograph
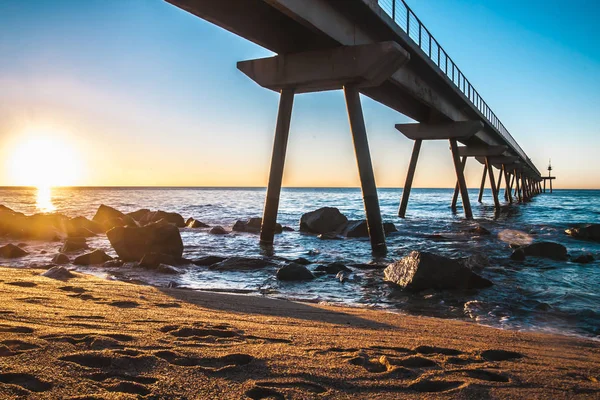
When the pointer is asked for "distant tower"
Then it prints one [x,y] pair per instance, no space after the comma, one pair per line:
[549,167]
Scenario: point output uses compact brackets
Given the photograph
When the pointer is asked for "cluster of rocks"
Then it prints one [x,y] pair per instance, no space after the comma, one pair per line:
[330,223]
[550,250]
[585,232]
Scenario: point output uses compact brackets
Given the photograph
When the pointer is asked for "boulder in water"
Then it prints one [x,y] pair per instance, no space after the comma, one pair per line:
[160,268]
[155,216]
[554,251]
[241,263]
[333,268]
[584,258]
[95,257]
[139,214]
[480,230]
[253,225]
[194,223]
[109,218]
[131,244]
[59,273]
[153,260]
[294,272]
[12,251]
[61,258]
[73,244]
[424,270]
[586,232]
[323,220]
[329,236]
[218,230]
[359,228]
[208,261]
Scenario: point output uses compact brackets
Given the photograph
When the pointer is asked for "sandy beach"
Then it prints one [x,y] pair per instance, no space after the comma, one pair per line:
[88,338]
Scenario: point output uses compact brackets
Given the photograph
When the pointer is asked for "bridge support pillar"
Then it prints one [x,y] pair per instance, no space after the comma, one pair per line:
[365,170]
[508,187]
[282,129]
[409,178]
[517,187]
[492,182]
[463,164]
[482,186]
[462,183]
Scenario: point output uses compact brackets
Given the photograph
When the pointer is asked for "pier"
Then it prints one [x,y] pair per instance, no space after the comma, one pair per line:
[382,50]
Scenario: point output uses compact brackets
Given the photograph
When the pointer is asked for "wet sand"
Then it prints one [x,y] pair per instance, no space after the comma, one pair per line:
[90,338]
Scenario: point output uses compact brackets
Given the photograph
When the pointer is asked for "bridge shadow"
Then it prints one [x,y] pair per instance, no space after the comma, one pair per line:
[268,307]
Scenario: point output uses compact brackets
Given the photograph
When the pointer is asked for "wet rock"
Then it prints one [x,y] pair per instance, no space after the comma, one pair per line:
[480,230]
[113,264]
[139,214]
[73,244]
[287,229]
[12,251]
[554,251]
[294,272]
[476,262]
[160,268]
[369,266]
[518,255]
[208,261]
[241,263]
[253,225]
[61,258]
[514,246]
[358,228]
[193,223]
[332,268]
[82,227]
[301,261]
[329,236]
[584,258]
[155,216]
[131,244]
[323,220]
[109,218]
[437,237]
[218,230]
[153,260]
[95,257]
[586,232]
[423,270]
[60,273]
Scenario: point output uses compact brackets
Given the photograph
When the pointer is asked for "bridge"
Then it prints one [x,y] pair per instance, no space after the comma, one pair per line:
[382,50]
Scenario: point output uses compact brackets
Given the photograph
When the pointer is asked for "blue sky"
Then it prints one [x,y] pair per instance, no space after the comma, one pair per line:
[148,94]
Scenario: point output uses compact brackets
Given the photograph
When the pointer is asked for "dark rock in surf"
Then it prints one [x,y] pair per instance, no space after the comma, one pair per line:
[95,257]
[583,259]
[61,258]
[208,261]
[218,230]
[241,264]
[194,223]
[518,255]
[139,214]
[131,244]
[153,260]
[330,236]
[115,263]
[12,251]
[155,216]
[74,244]
[586,232]
[359,228]
[287,229]
[253,225]
[333,268]
[323,220]
[423,270]
[554,251]
[480,230]
[160,268]
[109,218]
[302,261]
[294,272]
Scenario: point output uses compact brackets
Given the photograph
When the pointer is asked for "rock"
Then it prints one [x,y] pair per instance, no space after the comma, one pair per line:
[113,264]
[358,228]
[155,216]
[253,225]
[323,220]
[160,268]
[95,257]
[110,218]
[73,244]
[341,276]
[424,270]
[287,229]
[584,258]
[12,251]
[437,236]
[586,232]
[518,255]
[241,263]
[514,246]
[218,230]
[476,262]
[193,223]
[302,261]
[60,273]
[131,244]
[480,230]
[208,261]
[550,250]
[139,214]
[83,227]
[60,258]
[153,260]
[333,268]
[329,236]
[294,272]
[369,266]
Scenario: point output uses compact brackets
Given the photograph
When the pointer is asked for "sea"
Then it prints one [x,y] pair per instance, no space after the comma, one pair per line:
[537,294]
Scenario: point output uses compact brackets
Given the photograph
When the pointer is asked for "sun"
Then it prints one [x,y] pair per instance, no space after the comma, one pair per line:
[44,158]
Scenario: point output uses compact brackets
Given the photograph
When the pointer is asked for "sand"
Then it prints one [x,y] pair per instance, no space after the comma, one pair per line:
[90,338]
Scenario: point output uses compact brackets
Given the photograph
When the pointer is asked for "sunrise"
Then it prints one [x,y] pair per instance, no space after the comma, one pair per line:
[299,199]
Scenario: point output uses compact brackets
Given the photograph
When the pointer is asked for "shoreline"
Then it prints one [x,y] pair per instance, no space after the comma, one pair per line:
[101,338]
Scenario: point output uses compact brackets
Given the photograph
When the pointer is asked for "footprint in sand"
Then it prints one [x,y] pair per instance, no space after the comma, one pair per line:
[129,387]
[15,329]
[124,304]
[23,284]
[197,333]
[431,386]
[500,355]
[103,376]
[167,305]
[297,385]
[94,342]
[10,348]
[111,360]
[260,393]
[73,289]
[486,375]
[26,381]
[213,364]
[437,350]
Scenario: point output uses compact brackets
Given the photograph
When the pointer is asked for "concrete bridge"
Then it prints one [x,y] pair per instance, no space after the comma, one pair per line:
[382,50]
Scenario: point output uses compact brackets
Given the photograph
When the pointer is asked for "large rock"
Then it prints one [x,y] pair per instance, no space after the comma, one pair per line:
[139,214]
[218,230]
[61,258]
[153,260]
[294,272]
[333,268]
[194,223]
[253,225]
[12,251]
[423,270]
[359,228]
[59,273]
[241,264]
[154,216]
[583,258]
[109,218]
[131,244]
[95,257]
[554,251]
[81,226]
[586,232]
[73,244]
[323,220]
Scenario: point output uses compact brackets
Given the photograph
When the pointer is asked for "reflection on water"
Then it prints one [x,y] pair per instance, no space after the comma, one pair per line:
[44,199]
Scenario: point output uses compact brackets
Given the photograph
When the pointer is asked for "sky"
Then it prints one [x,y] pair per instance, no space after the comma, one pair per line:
[141,93]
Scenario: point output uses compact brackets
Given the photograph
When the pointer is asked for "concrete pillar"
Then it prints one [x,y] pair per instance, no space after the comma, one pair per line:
[499,183]
[488,164]
[365,170]
[544,186]
[482,187]
[550,185]
[463,163]
[508,189]
[282,129]
[409,178]
[518,188]
[461,179]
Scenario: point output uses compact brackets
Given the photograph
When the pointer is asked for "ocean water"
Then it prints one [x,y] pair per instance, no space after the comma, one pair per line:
[538,294]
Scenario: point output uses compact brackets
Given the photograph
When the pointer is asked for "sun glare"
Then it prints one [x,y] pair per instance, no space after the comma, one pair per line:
[44,159]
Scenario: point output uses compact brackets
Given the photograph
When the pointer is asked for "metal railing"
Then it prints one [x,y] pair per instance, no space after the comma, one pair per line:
[406,19]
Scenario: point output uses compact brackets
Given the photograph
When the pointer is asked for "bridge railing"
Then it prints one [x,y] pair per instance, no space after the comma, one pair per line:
[406,19]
